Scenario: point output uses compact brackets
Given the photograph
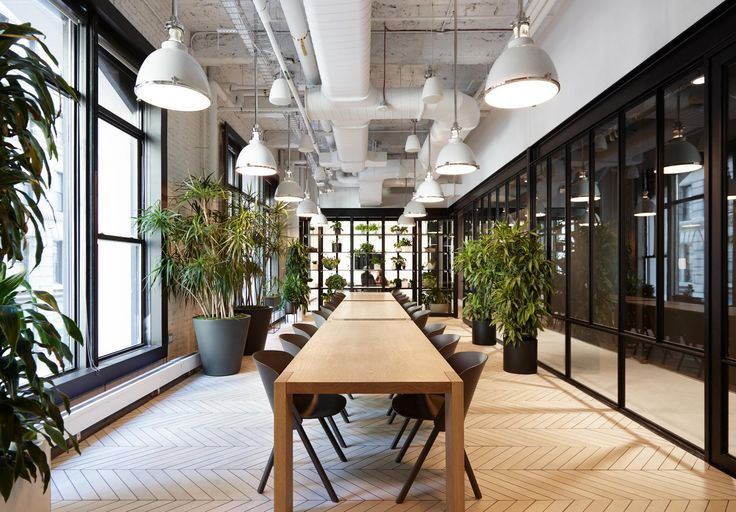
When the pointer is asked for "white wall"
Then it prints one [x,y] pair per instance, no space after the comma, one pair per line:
[593,43]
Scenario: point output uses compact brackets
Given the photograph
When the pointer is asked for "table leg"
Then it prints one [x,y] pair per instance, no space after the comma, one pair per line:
[455,447]
[283,449]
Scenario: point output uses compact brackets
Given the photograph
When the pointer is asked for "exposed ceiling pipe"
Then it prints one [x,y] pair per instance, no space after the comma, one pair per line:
[297,21]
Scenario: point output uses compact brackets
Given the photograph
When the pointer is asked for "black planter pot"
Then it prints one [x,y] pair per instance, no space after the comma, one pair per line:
[273,302]
[289,308]
[221,343]
[260,320]
[521,358]
[336,247]
[484,332]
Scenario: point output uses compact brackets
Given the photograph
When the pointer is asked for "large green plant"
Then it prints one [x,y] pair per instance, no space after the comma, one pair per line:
[334,283]
[475,261]
[28,339]
[206,237]
[295,289]
[523,281]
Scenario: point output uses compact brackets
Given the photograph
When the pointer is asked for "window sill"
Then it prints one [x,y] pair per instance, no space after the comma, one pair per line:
[78,382]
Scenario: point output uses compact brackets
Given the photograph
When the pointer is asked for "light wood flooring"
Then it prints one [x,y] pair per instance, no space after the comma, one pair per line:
[536,443]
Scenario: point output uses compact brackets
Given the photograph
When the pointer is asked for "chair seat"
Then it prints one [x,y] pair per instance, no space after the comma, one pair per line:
[418,407]
[319,406]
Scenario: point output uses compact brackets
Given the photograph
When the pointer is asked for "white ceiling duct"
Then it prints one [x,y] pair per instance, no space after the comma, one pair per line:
[296,19]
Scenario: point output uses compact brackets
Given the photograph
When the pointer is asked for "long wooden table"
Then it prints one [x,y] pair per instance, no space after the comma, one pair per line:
[369,310]
[369,357]
[368,296]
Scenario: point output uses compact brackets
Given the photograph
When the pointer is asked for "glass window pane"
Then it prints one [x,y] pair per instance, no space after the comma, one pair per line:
[523,198]
[605,225]
[552,344]
[115,88]
[119,298]
[594,359]
[639,217]
[541,205]
[484,212]
[117,181]
[512,204]
[684,207]
[730,220]
[579,228]
[501,202]
[557,232]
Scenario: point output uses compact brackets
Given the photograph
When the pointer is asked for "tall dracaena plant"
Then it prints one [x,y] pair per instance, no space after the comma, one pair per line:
[29,341]
[524,280]
[296,281]
[475,261]
[205,236]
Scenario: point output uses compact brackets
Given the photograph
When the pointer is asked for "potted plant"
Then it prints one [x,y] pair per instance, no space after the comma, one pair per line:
[262,235]
[397,283]
[376,261]
[476,262]
[295,290]
[429,280]
[403,244]
[437,300]
[399,262]
[330,263]
[399,230]
[32,350]
[362,255]
[367,228]
[202,261]
[337,229]
[335,283]
[518,299]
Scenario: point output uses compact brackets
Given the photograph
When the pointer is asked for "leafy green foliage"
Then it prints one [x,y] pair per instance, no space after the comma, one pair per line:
[216,241]
[429,280]
[329,263]
[523,280]
[368,227]
[28,400]
[295,289]
[399,262]
[399,230]
[334,283]
[475,260]
[403,242]
[336,227]
[436,296]
[365,248]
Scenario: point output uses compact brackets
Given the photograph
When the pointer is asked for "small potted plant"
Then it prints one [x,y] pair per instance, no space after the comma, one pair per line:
[437,300]
[335,283]
[362,228]
[295,289]
[329,263]
[362,255]
[376,261]
[399,262]
[397,283]
[518,300]
[476,262]
[429,280]
[399,230]
[403,245]
[337,229]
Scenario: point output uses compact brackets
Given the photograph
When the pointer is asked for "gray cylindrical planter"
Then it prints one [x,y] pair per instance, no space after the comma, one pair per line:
[521,358]
[221,343]
[484,332]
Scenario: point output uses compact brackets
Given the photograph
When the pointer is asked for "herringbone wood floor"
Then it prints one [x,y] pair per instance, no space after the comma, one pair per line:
[536,443]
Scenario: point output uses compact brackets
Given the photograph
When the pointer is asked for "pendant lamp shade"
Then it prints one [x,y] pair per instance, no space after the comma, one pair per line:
[171,78]
[280,95]
[319,220]
[307,207]
[680,156]
[523,75]
[289,190]
[432,92]
[456,158]
[412,144]
[414,209]
[429,191]
[645,207]
[256,159]
[406,222]
[305,144]
[581,191]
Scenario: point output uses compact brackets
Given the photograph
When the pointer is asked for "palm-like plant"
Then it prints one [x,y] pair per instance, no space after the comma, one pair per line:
[28,340]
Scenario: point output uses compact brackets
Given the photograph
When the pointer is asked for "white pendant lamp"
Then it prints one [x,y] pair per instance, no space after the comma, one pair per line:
[256,159]
[170,77]
[429,191]
[645,207]
[456,158]
[406,222]
[280,95]
[415,209]
[305,144]
[412,141]
[307,207]
[288,190]
[523,75]
[432,92]
[581,190]
[679,154]
[319,220]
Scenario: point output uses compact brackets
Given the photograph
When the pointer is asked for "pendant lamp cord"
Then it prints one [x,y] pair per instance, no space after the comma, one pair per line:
[521,9]
[255,85]
[288,143]
[385,32]
[454,66]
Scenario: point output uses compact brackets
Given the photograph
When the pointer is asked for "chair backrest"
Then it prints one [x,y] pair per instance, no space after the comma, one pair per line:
[270,364]
[305,329]
[445,344]
[325,312]
[469,366]
[403,299]
[408,305]
[433,329]
[413,309]
[420,317]
[293,343]
[395,292]
[319,318]
[328,306]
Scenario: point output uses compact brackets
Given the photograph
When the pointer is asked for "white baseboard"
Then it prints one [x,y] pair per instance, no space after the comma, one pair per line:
[90,412]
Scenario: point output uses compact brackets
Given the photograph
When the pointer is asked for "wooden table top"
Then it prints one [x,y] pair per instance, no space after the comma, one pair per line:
[368,356]
[369,310]
[372,296]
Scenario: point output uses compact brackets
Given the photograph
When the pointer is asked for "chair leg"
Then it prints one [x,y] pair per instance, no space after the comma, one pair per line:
[409,439]
[418,465]
[391,418]
[266,473]
[332,439]
[344,415]
[338,435]
[390,410]
[471,477]
[351,397]
[317,463]
[400,433]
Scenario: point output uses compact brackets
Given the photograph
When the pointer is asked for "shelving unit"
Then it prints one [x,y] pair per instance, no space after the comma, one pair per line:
[436,276]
